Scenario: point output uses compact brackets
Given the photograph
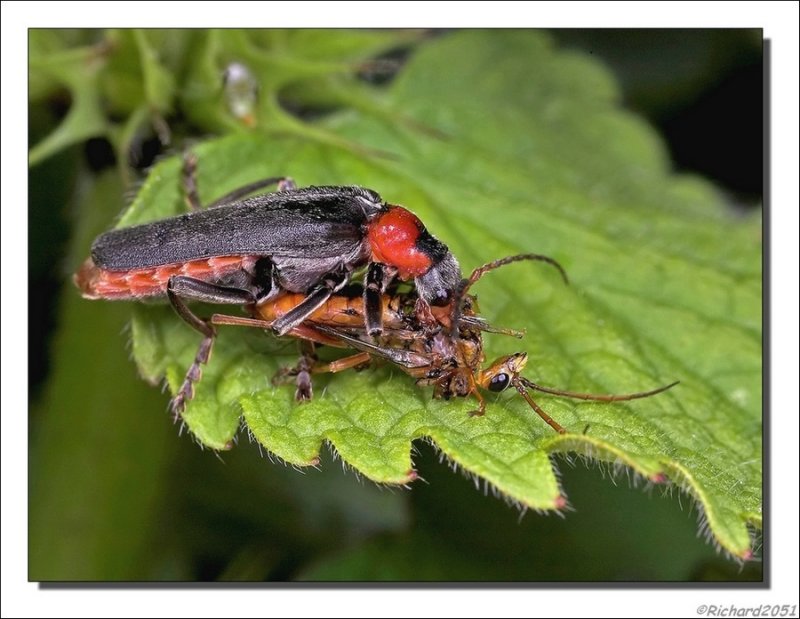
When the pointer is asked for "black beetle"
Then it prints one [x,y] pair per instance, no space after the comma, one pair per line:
[244,251]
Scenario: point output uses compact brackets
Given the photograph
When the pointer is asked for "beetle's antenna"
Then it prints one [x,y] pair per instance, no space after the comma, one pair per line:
[495,264]
[517,381]
[465,284]
[599,397]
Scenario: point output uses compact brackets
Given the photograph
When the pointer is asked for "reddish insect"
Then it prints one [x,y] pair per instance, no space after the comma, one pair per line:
[287,255]
[449,359]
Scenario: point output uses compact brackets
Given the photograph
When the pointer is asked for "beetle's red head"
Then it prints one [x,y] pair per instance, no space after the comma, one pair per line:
[399,239]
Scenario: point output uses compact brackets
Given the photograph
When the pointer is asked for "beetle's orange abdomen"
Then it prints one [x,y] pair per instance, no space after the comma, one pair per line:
[97,283]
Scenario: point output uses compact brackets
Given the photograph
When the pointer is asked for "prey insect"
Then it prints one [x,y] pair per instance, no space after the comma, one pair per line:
[246,251]
[449,359]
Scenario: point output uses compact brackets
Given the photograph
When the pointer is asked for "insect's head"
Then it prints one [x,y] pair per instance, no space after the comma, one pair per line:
[399,239]
[439,284]
[505,371]
[502,372]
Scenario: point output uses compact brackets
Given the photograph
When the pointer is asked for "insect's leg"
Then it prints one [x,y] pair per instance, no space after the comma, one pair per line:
[284,375]
[189,177]
[284,183]
[422,310]
[308,358]
[404,358]
[308,365]
[265,279]
[178,289]
[331,283]
[345,363]
[199,290]
[376,279]
[481,410]
[186,392]
[464,286]
[456,382]
[301,372]
[303,331]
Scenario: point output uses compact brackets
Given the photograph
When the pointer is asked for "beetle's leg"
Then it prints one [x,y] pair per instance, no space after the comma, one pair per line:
[376,279]
[200,290]
[331,283]
[309,364]
[179,288]
[284,183]
[345,363]
[425,317]
[189,177]
[481,410]
[301,372]
[265,278]
[308,358]
[304,390]
[404,358]
[284,375]
[186,392]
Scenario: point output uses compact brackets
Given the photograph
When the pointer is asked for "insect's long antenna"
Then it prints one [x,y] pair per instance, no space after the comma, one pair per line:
[496,264]
[517,382]
[599,397]
[465,284]
[520,383]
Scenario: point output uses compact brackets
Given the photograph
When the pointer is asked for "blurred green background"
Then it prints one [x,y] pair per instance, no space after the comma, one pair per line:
[115,494]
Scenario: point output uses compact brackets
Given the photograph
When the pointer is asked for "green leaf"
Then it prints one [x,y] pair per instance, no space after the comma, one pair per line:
[130,83]
[75,70]
[528,151]
[135,75]
[277,60]
[98,438]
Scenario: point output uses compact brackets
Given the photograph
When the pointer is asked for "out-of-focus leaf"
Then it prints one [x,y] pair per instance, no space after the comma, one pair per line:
[97,450]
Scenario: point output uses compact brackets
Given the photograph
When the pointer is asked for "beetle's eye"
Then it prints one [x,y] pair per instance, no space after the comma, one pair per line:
[498,382]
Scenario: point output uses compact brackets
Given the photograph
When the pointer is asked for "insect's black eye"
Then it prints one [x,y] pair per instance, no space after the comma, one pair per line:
[498,382]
